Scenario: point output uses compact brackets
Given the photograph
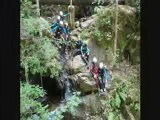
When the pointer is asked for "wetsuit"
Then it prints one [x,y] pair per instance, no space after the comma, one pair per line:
[79,43]
[85,51]
[101,77]
[94,72]
[56,23]
[59,30]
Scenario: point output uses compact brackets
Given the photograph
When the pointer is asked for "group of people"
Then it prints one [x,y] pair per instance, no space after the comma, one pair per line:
[100,72]
[60,27]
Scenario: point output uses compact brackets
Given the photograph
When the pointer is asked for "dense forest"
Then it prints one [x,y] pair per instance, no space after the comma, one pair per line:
[56,84]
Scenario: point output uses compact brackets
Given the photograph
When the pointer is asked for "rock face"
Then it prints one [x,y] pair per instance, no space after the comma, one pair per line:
[75,65]
[83,82]
[89,22]
[79,75]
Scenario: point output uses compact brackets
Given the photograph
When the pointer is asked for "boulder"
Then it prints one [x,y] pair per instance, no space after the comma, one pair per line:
[83,82]
[89,22]
[75,65]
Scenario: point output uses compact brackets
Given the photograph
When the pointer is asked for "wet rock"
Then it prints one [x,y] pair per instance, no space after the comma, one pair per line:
[83,82]
[75,65]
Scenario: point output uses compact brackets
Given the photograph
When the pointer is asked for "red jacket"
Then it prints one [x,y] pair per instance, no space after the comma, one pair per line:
[94,68]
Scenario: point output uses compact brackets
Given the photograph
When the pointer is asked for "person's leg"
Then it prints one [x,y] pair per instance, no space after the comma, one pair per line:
[100,84]
[87,58]
[103,82]
[97,83]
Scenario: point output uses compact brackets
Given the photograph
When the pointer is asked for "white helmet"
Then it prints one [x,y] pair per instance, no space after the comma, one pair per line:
[61,13]
[94,59]
[58,17]
[101,65]
[61,22]
[66,23]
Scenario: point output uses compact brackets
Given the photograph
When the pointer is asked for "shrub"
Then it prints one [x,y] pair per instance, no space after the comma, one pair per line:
[28,104]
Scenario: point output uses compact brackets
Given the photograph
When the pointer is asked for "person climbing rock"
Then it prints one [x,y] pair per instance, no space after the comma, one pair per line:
[101,77]
[67,30]
[85,53]
[94,70]
[78,45]
[56,23]
[59,30]
[63,16]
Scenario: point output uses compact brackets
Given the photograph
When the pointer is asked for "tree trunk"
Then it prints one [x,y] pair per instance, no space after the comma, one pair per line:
[116,21]
[26,74]
[71,10]
[41,81]
[38,10]
[38,14]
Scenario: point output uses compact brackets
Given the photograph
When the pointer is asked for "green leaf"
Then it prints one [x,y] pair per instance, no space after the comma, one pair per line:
[111,116]
[117,100]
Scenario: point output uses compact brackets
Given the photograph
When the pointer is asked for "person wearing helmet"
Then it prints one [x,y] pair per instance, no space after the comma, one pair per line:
[101,77]
[94,70]
[85,53]
[67,30]
[59,30]
[79,43]
[62,16]
[56,23]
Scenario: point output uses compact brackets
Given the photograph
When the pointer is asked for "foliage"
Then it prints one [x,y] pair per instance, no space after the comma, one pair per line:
[70,107]
[126,93]
[41,57]
[28,104]
[38,55]
[27,9]
[30,27]
[128,28]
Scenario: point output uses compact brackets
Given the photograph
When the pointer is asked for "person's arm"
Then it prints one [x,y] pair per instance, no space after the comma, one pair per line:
[66,14]
[82,49]
[54,24]
[67,31]
[64,30]
[88,51]
[54,29]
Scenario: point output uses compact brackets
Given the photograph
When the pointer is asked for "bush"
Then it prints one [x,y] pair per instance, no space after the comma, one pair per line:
[128,28]
[28,104]
[70,107]
[126,94]
[41,57]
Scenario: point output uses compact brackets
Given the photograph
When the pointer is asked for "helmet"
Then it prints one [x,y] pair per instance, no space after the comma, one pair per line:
[94,59]
[61,22]
[61,13]
[66,24]
[58,17]
[101,65]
